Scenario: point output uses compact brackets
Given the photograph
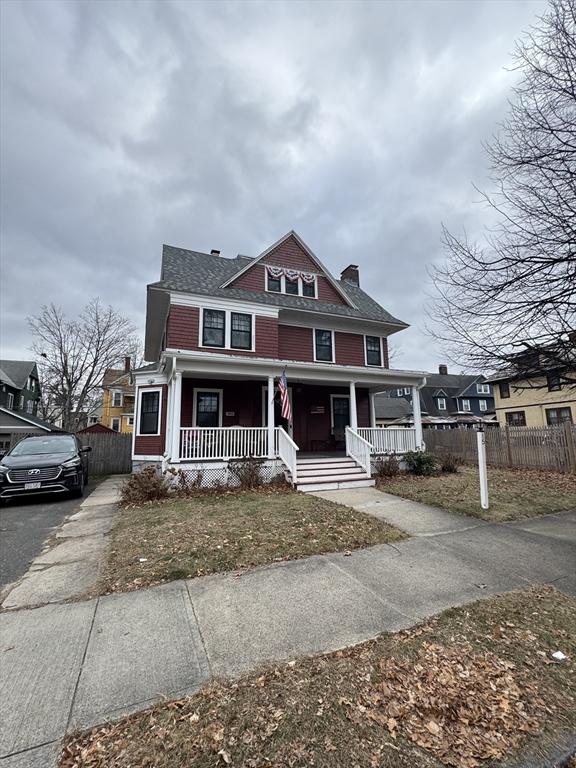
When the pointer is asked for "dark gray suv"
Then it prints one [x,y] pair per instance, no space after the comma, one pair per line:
[54,463]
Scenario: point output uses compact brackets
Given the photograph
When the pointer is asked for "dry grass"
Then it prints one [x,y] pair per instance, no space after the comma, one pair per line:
[475,686]
[230,531]
[514,493]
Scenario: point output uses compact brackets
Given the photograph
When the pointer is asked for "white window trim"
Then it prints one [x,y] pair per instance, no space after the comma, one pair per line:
[443,401]
[283,286]
[130,421]
[21,403]
[465,400]
[114,393]
[332,408]
[483,403]
[373,336]
[407,391]
[483,389]
[227,329]
[219,392]
[10,401]
[400,392]
[30,407]
[333,345]
[141,390]
[119,420]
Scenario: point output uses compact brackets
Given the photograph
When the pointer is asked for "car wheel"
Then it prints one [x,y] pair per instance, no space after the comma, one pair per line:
[78,492]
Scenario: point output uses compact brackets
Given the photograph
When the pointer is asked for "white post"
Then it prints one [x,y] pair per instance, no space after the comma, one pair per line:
[270,400]
[417,414]
[481,438]
[169,430]
[353,412]
[175,416]
[372,410]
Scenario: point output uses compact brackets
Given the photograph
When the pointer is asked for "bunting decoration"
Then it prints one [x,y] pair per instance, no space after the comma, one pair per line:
[291,274]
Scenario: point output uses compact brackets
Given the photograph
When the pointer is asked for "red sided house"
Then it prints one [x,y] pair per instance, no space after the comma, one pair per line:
[221,332]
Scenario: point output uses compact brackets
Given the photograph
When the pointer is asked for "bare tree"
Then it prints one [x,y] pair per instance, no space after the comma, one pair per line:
[511,298]
[73,355]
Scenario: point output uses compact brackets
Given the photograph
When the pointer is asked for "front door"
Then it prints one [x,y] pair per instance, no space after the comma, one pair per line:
[340,416]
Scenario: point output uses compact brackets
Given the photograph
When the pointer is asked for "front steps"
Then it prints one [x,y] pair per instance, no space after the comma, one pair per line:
[330,474]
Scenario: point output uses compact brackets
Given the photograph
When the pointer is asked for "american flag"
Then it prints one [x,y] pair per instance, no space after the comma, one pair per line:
[284,397]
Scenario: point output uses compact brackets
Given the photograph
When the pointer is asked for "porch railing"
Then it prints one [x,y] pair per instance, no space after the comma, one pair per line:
[389,439]
[223,443]
[359,449]
[288,452]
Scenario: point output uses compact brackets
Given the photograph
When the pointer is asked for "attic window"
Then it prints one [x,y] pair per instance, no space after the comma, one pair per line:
[290,281]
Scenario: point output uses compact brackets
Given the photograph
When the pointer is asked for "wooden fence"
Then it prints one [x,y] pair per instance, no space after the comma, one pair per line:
[523,447]
[111,454]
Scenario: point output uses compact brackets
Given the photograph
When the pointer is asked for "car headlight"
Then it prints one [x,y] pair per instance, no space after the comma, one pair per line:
[71,463]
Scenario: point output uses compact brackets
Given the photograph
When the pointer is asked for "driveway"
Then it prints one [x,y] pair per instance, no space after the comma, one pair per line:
[24,526]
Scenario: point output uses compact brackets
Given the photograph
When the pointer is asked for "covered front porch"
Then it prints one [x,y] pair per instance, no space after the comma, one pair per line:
[221,414]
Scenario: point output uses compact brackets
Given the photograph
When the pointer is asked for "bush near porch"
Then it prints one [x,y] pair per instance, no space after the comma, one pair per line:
[229,531]
[514,493]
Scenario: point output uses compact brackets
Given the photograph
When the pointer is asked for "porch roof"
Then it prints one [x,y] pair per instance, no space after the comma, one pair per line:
[227,366]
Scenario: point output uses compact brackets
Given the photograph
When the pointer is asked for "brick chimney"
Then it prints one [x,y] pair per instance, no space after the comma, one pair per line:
[443,370]
[351,274]
[127,364]
[214,252]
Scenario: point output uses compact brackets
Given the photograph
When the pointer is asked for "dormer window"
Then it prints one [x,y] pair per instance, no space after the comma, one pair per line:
[290,281]
[441,403]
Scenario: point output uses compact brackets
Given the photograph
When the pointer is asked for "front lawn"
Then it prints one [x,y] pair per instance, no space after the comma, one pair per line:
[477,685]
[513,493]
[229,531]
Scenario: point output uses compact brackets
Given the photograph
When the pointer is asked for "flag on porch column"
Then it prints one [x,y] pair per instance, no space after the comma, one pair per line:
[284,397]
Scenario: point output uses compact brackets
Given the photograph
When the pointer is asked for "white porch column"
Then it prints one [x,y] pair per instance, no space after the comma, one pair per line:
[175,416]
[270,410]
[353,412]
[417,417]
[372,410]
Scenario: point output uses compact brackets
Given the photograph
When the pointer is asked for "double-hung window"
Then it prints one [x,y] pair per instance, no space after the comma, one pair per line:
[465,405]
[149,412]
[30,406]
[555,416]
[441,403]
[323,346]
[373,351]
[21,403]
[274,284]
[214,328]
[10,401]
[483,389]
[241,331]
[117,399]
[292,286]
[504,388]
[309,289]
[483,405]
[553,382]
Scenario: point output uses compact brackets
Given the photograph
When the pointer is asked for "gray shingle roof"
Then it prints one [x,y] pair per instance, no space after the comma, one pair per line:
[203,274]
[391,407]
[29,418]
[16,372]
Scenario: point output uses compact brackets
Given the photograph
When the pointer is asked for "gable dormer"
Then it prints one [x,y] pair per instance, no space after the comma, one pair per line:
[289,267]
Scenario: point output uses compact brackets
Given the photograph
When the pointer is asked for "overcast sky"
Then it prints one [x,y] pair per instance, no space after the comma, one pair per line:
[126,125]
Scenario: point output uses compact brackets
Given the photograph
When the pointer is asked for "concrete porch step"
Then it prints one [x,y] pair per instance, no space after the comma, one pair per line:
[326,465]
[326,471]
[335,484]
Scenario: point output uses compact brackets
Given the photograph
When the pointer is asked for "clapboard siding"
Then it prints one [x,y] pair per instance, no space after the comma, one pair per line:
[349,348]
[295,343]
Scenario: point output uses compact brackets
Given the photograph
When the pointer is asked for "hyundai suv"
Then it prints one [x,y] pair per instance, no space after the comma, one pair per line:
[54,463]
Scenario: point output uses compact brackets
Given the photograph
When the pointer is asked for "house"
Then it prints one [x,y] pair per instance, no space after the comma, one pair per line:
[118,398]
[222,330]
[96,429]
[19,399]
[388,410]
[447,401]
[537,390]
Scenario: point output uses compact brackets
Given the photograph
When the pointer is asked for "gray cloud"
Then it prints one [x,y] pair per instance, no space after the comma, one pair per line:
[129,124]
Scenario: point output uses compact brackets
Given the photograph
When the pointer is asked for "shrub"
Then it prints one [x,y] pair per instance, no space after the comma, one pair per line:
[420,463]
[387,467]
[148,485]
[449,463]
[247,471]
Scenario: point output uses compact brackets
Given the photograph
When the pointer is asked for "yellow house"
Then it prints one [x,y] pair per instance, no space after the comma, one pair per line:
[535,401]
[118,399]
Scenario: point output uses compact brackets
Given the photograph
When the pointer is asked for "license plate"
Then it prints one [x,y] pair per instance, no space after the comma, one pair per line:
[31,486]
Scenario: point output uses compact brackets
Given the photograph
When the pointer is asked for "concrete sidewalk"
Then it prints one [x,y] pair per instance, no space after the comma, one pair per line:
[65,666]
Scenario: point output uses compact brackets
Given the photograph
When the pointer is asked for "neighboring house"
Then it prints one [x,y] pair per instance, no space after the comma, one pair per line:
[536,393]
[94,429]
[118,398]
[389,409]
[221,331]
[447,401]
[19,398]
